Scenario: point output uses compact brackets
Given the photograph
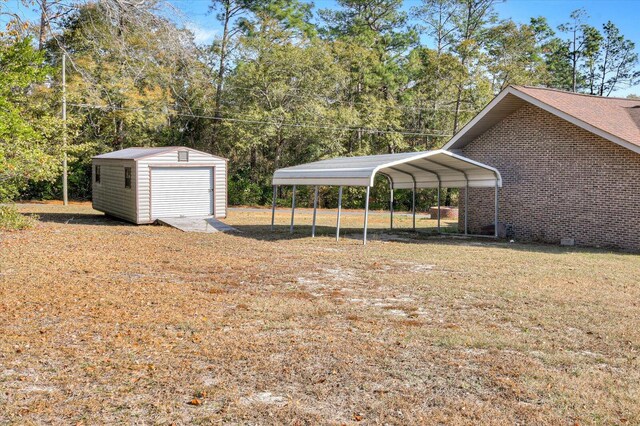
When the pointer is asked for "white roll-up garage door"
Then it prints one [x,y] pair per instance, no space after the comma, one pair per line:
[181,191]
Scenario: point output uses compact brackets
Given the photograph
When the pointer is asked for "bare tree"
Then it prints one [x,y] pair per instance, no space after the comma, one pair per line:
[51,14]
[436,18]
[619,61]
[580,41]
[228,12]
[470,19]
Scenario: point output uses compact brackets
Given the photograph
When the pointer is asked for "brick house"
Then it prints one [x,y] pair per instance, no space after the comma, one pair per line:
[570,166]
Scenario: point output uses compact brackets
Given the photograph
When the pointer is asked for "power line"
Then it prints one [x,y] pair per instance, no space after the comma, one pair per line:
[345,102]
[250,121]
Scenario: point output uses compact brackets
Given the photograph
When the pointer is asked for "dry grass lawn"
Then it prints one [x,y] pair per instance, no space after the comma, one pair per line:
[105,322]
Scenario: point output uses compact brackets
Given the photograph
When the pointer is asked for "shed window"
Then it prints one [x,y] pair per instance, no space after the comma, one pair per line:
[183,156]
[127,177]
[97,174]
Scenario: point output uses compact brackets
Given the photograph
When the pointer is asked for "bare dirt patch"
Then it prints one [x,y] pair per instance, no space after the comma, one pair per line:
[105,322]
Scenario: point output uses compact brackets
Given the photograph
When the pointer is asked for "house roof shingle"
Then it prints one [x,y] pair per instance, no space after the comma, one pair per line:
[617,116]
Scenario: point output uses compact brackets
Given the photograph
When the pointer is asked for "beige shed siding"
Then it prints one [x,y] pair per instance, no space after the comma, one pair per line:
[558,181]
[169,159]
[110,196]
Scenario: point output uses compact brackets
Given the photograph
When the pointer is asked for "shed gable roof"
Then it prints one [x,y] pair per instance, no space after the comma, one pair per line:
[137,153]
[615,119]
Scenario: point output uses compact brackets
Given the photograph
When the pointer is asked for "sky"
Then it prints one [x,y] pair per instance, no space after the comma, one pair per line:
[625,14]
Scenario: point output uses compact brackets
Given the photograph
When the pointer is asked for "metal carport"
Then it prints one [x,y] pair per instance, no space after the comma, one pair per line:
[411,170]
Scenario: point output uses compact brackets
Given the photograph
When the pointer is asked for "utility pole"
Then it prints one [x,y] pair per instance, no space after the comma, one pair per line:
[65,192]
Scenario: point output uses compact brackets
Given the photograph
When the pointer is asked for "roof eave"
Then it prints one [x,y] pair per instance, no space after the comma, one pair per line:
[453,142]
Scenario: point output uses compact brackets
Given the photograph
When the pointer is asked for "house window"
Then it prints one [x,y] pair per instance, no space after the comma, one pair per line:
[97,174]
[183,156]
[127,177]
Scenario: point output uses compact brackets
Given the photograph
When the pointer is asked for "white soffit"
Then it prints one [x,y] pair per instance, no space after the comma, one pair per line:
[424,169]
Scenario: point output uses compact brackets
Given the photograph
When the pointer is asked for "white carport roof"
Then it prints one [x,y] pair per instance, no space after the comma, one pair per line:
[426,169]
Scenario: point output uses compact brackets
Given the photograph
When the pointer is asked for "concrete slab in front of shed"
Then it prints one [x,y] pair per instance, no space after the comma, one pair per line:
[206,224]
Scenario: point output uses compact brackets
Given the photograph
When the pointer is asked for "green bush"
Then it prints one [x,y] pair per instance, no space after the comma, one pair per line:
[12,220]
[244,192]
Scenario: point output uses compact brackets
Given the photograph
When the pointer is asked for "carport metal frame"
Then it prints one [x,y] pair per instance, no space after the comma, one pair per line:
[392,166]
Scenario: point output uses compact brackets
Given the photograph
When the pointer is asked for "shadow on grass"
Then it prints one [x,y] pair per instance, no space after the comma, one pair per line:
[399,235]
[281,232]
[448,237]
[97,219]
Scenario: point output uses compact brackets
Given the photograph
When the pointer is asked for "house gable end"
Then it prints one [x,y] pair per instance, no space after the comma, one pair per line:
[505,103]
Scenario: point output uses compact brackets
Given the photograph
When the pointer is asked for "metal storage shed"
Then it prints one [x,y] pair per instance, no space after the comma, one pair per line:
[411,170]
[142,185]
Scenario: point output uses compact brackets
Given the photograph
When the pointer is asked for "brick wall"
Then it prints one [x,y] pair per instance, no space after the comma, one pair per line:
[559,181]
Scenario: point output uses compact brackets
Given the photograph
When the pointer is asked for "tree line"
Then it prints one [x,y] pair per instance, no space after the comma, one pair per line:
[283,83]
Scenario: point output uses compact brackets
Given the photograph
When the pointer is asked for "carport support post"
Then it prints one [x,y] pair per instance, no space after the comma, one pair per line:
[413,205]
[439,190]
[339,209]
[315,208]
[466,207]
[273,205]
[495,219]
[366,216]
[293,208]
[391,203]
